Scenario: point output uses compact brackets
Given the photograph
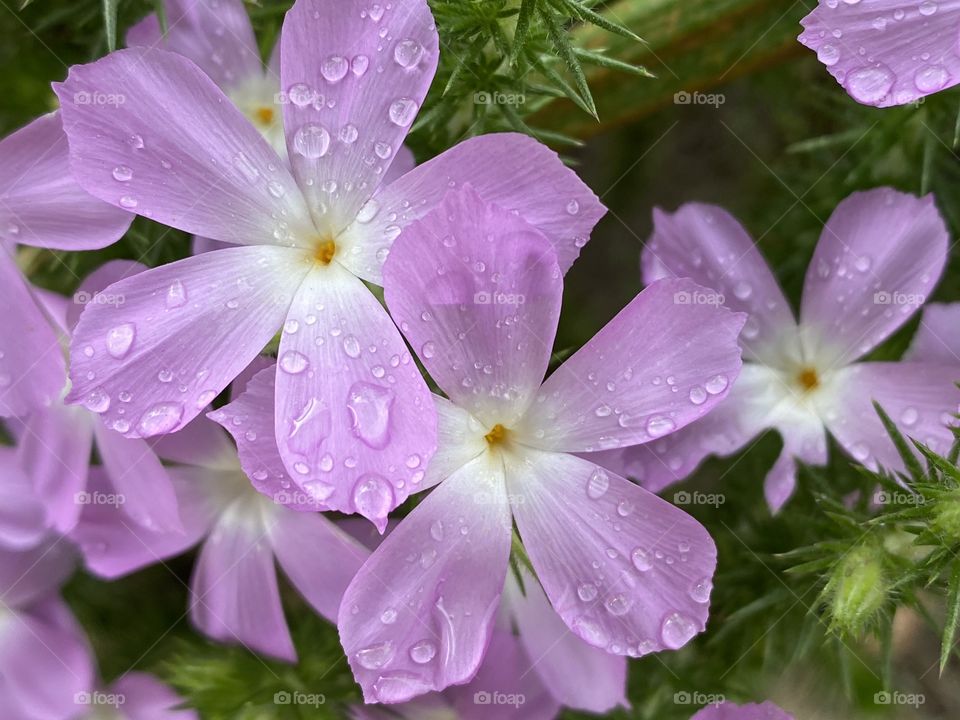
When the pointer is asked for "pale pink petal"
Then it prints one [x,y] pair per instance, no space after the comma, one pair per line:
[146,698]
[660,364]
[627,571]
[706,244]
[113,545]
[886,52]
[137,475]
[355,420]
[505,688]
[54,450]
[45,660]
[23,514]
[577,674]
[513,171]
[477,292]
[353,85]
[215,34]
[921,398]
[32,369]
[234,596]
[202,443]
[459,440]
[418,615]
[318,558]
[40,202]
[879,257]
[152,363]
[178,151]
[938,337]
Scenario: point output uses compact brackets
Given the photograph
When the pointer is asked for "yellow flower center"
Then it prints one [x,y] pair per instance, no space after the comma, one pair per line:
[264,115]
[808,379]
[323,251]
[496,435]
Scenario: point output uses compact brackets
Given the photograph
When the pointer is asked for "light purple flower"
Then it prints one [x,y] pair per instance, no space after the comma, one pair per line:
[54,443]
[40,205]
[348,395]
[45,660]
[135,696]
[234,594]
[886,52]
[938,338]
[729,711]
[881,253]
[477,293]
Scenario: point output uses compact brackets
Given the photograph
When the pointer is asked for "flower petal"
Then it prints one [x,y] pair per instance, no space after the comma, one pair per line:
[627,571]
[729,711]
[215,34]
[578,675]
[201,443]
[23,515]
[921,398]
[871,48]
[27,577]
[660,364]
[706,244]
[234,596]
[152,363]
[356,424]
[112,545]
[511,170]
[54,450]
[459,440]
[146,698]
[317,557]
[139,478]
[881,253]
[91,290]
[32,369]
[938,337]
[176,150]
[418,615]
[504,688]
[354,81]
[45,660]
[40,202]
[477,292]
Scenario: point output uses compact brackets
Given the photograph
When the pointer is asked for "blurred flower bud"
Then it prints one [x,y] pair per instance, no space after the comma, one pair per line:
[857,590]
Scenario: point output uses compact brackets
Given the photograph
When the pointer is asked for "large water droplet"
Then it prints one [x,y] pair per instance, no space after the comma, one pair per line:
[676,631]
[176,295]
[870,84]
[97,401]
[700,592]
[334,68]
[641,559]
[590,631]
[122,173]
[828,54]
[598,484]
[717,384]
[373,498]
[587,592]
[369,407]
[293,362]
[618,604]
[376,656]
[120,339]
[311,141]
[423,652]
[351,346]
[403,111]
[931,78]
[160,419]
[660,425]
[408,53]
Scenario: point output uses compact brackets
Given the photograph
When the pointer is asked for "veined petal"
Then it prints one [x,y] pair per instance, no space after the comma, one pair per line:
[872,48]
[879,257]
[54,450]
[627,571]
[354,79]
[477,292]
[459,440]
[938,337]
[23,516]
[921,398]
[508,169]
[40,202]
[176,150]
[355,422]
[32,369]
[418,615]
[45,660]
[91,290]
[577,674]
[215,34]
[660,364]
[140,479]
[706,244]
[234,596]
[113,545]
[319,558]
[152,363]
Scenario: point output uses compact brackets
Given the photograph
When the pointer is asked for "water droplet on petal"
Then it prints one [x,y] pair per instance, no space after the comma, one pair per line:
[717,384]
[598,484]
[373,498]
[122,173]
[293,362]
[160,419]
[423,652]
[388,616]
[351,346]
[590,631]
[587,592]
[369,407]
[376,656]
[403,111]
[97,401]
[312,141]
[334,68]
[176,295]
[641,559]
[408,53]
[659,425]
[618,604]
[909,416]
[870,85]
[676,631]
[120,339]
[700,592]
